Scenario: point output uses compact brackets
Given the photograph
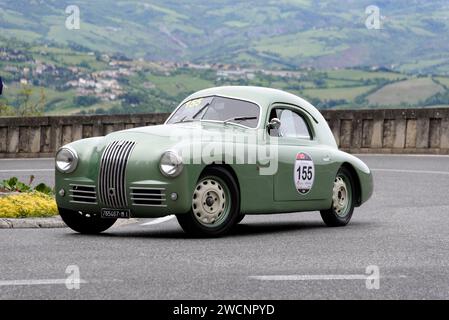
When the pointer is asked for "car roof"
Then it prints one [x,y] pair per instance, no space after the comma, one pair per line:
[264,97]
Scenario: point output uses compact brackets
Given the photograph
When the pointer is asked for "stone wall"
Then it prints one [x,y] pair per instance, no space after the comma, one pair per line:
[42,136]
[424,131]
[363,131]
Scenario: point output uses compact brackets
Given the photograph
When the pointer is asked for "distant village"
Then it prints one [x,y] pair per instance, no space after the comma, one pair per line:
[105,84]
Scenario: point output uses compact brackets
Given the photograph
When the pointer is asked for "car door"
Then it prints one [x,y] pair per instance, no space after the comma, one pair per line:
[302,172]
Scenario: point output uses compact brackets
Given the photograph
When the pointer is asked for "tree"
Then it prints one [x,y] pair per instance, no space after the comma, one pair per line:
[26,104]
[85,101]
[6,110]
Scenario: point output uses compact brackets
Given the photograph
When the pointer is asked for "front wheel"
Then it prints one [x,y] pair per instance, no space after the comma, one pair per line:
[215,205]
[241,217]
[85,223]
[343,200]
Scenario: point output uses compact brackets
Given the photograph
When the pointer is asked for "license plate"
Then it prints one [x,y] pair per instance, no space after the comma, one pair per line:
[115,213]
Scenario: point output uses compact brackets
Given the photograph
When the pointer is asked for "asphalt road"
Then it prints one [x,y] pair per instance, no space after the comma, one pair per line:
[403,230]
[41,169]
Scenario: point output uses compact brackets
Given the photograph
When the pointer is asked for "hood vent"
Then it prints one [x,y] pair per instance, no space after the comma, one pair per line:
[82,194]
[148,197]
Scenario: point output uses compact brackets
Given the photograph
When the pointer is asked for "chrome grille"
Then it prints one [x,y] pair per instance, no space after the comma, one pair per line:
[111,179]
[82,194]
[148,197]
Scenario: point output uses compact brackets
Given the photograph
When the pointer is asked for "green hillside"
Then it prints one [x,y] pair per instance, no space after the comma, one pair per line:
[58,79]
[146,56]
[282,33]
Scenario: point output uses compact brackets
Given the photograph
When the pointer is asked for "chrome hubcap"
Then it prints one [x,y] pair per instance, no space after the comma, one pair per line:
[209,201]
[340,199]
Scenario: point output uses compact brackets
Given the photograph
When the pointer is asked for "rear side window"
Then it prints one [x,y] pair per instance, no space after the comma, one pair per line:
[293,125]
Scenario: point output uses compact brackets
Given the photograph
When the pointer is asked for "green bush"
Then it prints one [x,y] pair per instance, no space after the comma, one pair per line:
[14,185]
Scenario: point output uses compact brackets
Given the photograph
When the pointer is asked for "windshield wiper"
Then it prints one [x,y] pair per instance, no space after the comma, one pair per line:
[194,116]
[201,110]
[239,119]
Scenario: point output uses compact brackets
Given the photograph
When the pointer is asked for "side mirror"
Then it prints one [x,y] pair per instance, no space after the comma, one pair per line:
[274,124]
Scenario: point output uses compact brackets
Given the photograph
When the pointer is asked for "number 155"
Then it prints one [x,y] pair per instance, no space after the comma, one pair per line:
[304,173]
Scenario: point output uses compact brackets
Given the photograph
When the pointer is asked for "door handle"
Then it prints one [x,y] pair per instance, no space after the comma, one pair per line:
[327,159]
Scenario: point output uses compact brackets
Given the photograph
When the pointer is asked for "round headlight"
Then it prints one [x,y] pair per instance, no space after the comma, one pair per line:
[66,160]
[171,164]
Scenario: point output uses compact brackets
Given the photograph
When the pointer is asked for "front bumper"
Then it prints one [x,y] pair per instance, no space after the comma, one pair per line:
[145,199]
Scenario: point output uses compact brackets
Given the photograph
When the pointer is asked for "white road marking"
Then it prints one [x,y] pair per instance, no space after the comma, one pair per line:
[310,277]
[35,282]
[27,170]
[28,159]
[411,171]
[158,220]
[314,277]
[398,155]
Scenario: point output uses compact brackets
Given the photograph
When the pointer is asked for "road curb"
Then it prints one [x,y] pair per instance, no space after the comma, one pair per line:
[45,223]
[53,222]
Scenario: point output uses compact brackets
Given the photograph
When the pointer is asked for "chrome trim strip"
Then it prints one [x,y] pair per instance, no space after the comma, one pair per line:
[150,205]
[73,201]
[81,185]
[152,199]
[81,196]
[160,195]
[147,188]
[102,174]
[82,191]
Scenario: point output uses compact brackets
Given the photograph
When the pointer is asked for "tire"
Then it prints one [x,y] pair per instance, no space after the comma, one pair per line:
[83,223]
[215,205]
[343,200]
[241,217]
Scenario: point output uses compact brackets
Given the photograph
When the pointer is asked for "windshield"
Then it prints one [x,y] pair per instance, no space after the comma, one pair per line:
[218,109]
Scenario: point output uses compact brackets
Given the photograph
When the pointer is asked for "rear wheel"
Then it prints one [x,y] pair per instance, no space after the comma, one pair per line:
[84,222]
[343,200]
[215,205]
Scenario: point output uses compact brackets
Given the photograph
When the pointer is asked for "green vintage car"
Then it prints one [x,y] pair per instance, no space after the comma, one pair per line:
[222,154]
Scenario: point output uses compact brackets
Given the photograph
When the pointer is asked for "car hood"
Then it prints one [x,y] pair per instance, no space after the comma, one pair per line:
[152,141]
[183,131]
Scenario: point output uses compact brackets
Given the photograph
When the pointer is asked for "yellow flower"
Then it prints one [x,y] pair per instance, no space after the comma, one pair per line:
[26,205]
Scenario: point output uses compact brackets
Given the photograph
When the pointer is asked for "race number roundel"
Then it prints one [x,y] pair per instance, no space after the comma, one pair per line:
[304,173]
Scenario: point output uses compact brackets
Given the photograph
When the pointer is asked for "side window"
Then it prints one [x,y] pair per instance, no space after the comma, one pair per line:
[293,125]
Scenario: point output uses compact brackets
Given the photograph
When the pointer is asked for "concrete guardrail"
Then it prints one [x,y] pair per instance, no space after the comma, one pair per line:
[424,131]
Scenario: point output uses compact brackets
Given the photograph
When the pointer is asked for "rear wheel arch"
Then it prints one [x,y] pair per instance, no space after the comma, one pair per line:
[356,181]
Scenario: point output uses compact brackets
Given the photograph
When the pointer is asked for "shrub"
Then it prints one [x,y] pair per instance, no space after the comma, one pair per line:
[28,205]
[14,185]
[85,101]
